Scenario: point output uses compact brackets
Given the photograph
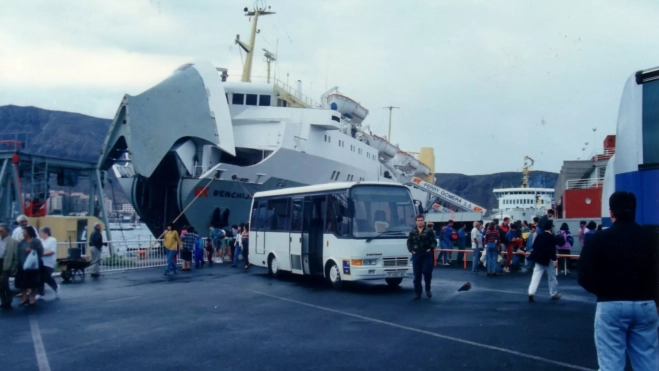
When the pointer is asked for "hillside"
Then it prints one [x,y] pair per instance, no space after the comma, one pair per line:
[54,133]
[478,188]
[79,137]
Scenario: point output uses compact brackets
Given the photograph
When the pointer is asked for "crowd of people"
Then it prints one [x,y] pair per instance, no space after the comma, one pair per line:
[221,246]
[620,265]
[28,256]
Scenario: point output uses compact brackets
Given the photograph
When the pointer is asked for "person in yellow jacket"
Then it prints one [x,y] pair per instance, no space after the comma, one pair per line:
[172,244]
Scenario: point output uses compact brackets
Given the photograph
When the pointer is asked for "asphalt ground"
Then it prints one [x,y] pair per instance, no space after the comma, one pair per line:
[223,318]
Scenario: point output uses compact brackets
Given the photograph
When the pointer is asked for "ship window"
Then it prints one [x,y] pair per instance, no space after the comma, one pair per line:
[333,174]
[336,118]
[329,139]
[337,175]
[264,100]
[251,99]
[359,151]
[238,98]
[325,138]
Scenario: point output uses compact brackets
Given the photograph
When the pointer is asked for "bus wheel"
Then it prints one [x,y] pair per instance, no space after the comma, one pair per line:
[334,276]
[394,282]
[273,267]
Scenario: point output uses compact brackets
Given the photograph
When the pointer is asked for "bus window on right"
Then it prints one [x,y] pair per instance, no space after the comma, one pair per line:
[651,123]
[382,211]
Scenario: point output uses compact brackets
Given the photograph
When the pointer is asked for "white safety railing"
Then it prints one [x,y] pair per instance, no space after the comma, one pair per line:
[584,183]
[126,254]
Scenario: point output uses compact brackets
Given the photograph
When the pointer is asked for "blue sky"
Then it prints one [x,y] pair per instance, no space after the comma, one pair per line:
[484,83]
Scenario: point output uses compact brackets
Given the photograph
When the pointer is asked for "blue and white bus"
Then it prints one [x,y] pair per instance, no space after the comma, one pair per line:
[341,231]
[635,166]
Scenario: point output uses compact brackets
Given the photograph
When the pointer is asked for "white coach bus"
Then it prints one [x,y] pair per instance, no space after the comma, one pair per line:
[341,231]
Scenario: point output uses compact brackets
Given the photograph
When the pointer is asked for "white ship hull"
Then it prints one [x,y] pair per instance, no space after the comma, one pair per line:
[168,143]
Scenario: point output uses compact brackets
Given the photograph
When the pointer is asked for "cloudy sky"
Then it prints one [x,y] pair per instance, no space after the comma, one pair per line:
[483,82]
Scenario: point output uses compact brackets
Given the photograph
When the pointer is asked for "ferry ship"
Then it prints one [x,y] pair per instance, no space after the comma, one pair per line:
[196,147]
[524,202]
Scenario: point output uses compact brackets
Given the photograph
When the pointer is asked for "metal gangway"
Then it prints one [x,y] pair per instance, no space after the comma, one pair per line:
[460,203]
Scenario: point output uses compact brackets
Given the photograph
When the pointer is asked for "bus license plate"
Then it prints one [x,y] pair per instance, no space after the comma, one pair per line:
[396,274]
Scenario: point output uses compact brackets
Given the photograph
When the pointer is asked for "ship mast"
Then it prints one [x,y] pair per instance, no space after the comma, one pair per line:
[249,48]
[526,171]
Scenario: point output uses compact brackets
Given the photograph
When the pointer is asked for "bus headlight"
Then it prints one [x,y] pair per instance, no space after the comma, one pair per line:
[370,262]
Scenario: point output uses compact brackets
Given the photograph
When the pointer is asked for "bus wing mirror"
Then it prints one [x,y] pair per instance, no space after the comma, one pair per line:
[350,210]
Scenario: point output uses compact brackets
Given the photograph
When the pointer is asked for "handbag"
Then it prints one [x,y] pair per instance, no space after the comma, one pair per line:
[31,262]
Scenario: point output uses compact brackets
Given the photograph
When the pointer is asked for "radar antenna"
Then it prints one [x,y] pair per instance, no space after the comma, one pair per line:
[269,57]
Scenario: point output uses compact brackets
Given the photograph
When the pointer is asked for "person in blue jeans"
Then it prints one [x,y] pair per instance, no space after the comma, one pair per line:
[619,266]
[237,245]
[492,249]
[477,245]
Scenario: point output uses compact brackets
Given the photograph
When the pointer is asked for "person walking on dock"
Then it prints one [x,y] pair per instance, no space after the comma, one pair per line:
[8,264]
[237,245]
[505,244]
[49,255]
[492,249]
[188,240]
[96,242]
[245,244]
[172,243]
[543,255]
[421,242]
[17,234]
[476,245]
[619,266]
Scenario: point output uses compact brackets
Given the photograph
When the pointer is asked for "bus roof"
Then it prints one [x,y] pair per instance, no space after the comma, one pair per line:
[320,188]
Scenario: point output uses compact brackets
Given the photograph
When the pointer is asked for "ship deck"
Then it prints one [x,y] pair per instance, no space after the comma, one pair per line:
[227,319]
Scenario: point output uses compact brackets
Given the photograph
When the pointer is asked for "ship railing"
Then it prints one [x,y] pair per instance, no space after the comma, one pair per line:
[584,183]
[607,154]
[123,255]
[296,93]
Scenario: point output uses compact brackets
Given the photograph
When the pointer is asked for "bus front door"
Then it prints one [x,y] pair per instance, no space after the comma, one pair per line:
[295,238]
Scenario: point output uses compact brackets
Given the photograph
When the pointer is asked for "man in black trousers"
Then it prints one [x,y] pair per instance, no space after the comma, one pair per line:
[422,242]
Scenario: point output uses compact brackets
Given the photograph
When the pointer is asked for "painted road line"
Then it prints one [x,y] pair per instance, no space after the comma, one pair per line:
[433,334]
[42,358]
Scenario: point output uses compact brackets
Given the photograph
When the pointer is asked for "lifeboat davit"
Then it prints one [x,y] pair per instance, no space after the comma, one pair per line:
[347,107]
[385,149]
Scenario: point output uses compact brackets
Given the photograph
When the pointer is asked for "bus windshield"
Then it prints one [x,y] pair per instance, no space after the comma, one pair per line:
[382,211]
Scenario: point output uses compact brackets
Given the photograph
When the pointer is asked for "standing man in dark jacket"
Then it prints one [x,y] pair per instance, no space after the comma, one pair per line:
[543,255]
[422,242]
[96,242]
[619,265]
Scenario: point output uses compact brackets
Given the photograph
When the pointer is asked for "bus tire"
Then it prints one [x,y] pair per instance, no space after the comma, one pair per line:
[394,282]
[333,275]
[273,267]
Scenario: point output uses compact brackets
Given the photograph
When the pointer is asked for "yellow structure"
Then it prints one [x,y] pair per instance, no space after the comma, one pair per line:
[67,229]
[427,157]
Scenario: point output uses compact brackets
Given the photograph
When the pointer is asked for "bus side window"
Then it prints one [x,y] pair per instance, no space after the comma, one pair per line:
[296,215]
[337,221]
[278,215]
